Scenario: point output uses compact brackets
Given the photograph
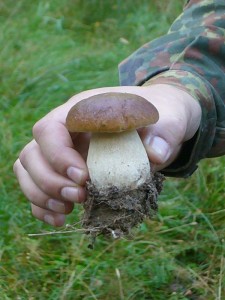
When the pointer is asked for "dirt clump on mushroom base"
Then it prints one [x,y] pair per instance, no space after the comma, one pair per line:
[115,212]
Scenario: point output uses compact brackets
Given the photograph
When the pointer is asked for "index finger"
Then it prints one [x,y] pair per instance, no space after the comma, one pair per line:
[57,147]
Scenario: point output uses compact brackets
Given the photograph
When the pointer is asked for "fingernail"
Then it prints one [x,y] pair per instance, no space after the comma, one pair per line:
[70,193]
[76,174]
[56,206]
[160,148]
[49,219]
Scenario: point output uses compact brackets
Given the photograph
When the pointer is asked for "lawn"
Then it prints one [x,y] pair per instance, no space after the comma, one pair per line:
[49,51]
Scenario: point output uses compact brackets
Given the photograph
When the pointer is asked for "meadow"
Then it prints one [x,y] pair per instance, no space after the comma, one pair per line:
[49,51]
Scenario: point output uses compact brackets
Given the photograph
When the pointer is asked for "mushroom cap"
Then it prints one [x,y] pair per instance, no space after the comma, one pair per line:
[111,112]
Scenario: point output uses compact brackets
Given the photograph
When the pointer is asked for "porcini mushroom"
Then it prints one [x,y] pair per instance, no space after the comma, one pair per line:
[120,177]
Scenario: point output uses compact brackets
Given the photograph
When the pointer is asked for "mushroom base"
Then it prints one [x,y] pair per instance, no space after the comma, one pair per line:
[115,212]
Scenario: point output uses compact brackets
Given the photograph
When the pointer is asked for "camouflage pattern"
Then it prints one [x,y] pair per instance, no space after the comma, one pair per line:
[192,57]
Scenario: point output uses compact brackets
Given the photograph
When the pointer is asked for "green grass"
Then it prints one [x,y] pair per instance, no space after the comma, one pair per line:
[51,50]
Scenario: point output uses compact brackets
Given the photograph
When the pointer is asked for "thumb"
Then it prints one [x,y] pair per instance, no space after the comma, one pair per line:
[160,148]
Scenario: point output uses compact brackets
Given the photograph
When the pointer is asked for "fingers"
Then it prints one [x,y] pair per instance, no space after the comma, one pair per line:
[160,151]
[42,205]
[163,140]
[51,173]
[48,181]
[38,197]
[57,148]
[48,217]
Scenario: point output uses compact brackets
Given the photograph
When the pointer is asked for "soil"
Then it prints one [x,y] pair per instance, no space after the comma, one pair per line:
[115,212]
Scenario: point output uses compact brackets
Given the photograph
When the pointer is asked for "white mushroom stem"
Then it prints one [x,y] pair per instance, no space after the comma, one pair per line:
[118,159]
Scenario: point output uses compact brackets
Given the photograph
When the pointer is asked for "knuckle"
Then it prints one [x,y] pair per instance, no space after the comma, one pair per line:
[35,211]
[34,197]
[181,128]
[47,186]
[24,154]
[39,128]
[174,130]
[56,159]
[50,187]
[16,166]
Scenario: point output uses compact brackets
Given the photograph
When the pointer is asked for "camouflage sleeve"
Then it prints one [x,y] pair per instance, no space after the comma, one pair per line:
[192,57]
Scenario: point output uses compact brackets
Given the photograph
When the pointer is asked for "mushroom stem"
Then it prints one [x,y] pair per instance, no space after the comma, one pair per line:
[118,159]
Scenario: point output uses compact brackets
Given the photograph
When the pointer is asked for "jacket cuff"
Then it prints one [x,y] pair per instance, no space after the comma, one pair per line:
[199,146]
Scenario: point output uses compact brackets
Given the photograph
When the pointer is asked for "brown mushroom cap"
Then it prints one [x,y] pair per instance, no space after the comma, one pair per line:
[111,112]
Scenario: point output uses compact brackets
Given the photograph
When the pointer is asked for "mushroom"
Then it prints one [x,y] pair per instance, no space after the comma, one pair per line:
[118,164]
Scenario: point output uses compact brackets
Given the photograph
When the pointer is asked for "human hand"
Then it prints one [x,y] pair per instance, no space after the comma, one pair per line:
[52,171]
